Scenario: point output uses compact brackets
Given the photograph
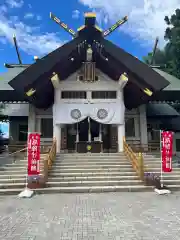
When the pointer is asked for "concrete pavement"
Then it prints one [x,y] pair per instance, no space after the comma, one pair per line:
[106,216]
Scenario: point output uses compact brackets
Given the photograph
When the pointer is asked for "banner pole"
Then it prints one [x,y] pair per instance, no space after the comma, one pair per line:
[161,178]
[26,184]
[26,193]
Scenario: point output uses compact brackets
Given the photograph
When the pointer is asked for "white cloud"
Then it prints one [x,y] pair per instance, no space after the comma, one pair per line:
[31,15]
[38,17]
[76,14]
[146,17]
[28,15]
[15,3]
[29,38]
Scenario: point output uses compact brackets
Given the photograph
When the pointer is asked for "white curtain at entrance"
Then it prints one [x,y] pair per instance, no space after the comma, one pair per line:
[115,112]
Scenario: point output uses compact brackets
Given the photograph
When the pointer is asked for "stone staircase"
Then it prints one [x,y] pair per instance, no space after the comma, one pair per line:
[84,173]
[12,174]
[153,164]
[93,173]
[77,173]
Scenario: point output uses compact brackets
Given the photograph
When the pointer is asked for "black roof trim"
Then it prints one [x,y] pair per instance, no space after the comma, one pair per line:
[141,71]
[44,67]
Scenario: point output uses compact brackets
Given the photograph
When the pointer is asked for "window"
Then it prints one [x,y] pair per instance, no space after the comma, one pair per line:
[130,127]
[73,95]
[177,145]
[104,95]
[46,127]
[23,132]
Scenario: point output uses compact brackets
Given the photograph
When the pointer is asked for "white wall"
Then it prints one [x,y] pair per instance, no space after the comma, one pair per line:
[61,106]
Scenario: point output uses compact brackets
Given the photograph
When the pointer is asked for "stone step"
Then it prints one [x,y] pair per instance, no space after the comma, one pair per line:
[92,166]
[91,160]
[168,179]
[94,183]
[90,189]
[90,154]
[93,189]
[12,176]
[13,180]
[151,161]
[95,178]
[13,172]
[69,164]
[151,157]
[158,168]
[86,174]
[91,157]
[75,184]
[169,182]
[95,169]
[83,161]
[11,185]
[67,179]
[13,167]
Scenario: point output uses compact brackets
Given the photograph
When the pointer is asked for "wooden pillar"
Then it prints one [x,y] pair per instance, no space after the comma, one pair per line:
[113,136]
[64,137]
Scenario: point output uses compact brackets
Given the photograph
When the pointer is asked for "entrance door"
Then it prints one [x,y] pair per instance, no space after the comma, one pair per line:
[84,127]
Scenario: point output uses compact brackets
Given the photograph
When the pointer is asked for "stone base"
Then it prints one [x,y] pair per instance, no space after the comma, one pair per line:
[35,185]
[26,193]
[162,191]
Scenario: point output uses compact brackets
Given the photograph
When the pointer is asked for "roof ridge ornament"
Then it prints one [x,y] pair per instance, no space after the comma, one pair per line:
[20,64]
[115,26]
[17,49]
[63,25]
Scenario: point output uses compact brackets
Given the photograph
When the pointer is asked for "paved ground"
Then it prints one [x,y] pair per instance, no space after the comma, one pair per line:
[91,217]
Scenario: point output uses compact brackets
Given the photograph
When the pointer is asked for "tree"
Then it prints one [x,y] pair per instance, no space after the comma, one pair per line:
[172,35]
[159,58]
[169,57]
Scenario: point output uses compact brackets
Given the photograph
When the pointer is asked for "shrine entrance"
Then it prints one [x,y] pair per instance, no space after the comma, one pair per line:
[88,136]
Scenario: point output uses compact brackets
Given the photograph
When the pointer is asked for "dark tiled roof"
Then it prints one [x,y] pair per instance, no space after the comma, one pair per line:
[174,82]
[161,110]
[6,77]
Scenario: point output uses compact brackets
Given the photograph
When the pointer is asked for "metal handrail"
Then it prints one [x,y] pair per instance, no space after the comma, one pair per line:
[136,160]
[48,160]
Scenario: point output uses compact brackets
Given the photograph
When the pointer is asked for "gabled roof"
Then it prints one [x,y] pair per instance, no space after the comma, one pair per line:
[109,58]
[60,61]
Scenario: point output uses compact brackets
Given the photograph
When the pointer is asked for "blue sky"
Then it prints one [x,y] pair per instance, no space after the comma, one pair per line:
[5,128]
[37,34]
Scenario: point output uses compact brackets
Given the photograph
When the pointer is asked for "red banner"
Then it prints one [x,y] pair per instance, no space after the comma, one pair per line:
[33,154]
[166,150]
